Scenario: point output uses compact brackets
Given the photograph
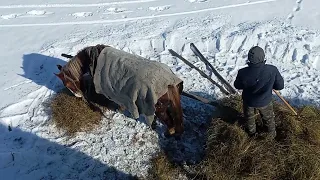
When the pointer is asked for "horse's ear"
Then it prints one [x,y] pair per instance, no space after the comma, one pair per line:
[59,67]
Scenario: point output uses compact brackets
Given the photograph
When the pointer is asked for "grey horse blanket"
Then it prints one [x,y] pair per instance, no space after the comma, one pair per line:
[132,81]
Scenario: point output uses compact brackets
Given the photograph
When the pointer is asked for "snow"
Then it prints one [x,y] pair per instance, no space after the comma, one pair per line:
[34,34]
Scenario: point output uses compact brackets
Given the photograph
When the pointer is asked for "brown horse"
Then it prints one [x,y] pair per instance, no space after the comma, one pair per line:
[76,76]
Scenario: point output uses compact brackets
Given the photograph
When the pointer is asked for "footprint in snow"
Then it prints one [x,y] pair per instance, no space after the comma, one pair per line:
[160,8]
[10,16]
[32,13]
[290,16]
[37,12]
[297,8]
[82,14]
[115,10]
[192,1]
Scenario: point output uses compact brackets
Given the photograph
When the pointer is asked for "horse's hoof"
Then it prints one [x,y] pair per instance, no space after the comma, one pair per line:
[168,135]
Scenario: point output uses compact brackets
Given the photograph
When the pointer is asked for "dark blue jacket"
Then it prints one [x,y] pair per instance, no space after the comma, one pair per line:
[257,82]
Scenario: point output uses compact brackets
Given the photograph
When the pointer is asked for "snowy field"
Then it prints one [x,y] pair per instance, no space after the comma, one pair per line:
[35,32]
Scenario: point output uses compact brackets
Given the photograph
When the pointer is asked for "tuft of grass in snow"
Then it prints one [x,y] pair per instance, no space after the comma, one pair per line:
[232,154]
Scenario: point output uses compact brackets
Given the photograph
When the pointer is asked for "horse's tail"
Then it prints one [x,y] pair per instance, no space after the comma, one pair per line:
[176,109]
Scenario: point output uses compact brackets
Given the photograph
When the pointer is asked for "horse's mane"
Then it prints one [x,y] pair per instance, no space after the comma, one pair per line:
[74,68]
[83,58]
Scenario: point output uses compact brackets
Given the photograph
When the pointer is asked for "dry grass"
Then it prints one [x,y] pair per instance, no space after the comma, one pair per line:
[163,169]
[295,154]
[72,115]
[232,154]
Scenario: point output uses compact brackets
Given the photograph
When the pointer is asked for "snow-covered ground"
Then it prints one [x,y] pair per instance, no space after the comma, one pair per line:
[34,33]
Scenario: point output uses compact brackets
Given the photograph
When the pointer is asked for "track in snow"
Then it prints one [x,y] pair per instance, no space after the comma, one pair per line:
[75,5]
[28,14]
[295,10]
[127,19]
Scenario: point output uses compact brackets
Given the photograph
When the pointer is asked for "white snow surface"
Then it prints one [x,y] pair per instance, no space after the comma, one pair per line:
[34,33]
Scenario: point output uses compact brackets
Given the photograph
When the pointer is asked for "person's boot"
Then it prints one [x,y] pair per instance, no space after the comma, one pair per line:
[272,135]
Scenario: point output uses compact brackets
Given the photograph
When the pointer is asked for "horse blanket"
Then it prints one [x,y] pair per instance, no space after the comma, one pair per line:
[132,81]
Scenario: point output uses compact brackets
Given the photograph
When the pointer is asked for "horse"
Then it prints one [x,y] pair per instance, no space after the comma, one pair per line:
[78,74]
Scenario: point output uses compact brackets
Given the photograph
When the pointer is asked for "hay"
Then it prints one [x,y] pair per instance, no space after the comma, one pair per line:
[163,169]
[295,154]
[72,115]
[232,154]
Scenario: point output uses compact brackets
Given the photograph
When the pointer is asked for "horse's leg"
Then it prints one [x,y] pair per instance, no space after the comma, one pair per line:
[165,118]
[175,109]
[162,113]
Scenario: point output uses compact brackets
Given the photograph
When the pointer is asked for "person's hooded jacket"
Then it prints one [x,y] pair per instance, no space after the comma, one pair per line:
[258,79]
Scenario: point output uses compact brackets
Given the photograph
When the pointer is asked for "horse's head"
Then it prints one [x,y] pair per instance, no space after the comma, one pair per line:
[74,72]
[69,80]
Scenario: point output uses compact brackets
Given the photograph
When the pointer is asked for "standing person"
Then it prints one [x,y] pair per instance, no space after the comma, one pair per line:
[257,81]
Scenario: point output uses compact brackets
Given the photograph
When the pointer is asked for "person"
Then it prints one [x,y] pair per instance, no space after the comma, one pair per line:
[257,82]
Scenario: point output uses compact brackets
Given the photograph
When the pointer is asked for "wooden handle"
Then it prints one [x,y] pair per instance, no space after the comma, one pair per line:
[215,72]
[201,72]
[195,97]
[287,104]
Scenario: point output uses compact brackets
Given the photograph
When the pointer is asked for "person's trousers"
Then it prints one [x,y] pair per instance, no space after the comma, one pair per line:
[266,114]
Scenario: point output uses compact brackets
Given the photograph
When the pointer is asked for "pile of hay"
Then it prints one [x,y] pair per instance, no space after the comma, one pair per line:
[72,115]
[232,154]
[295,154]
